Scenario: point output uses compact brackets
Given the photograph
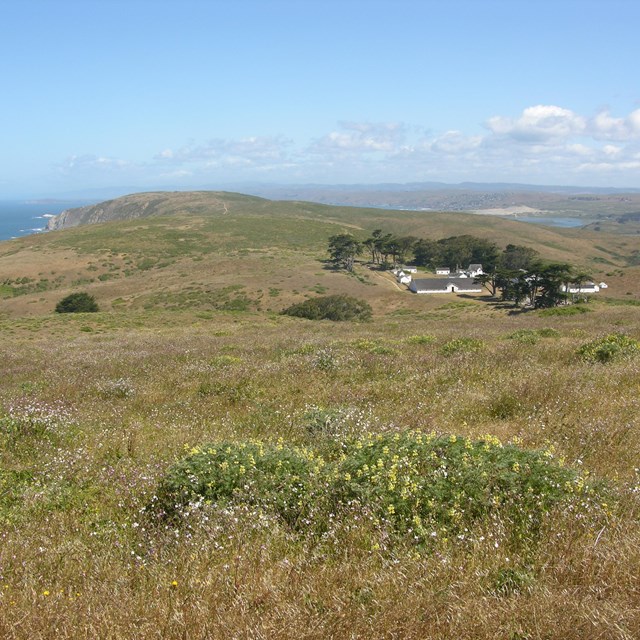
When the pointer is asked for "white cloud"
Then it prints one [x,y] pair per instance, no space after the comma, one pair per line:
[611,150]
[539,124]
[357,137]
[454,142]
[605,127]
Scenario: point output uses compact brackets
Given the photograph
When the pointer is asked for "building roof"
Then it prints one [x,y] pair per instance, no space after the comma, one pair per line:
[443,284]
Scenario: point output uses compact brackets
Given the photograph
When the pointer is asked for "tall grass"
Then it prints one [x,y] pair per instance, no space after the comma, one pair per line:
[92,423]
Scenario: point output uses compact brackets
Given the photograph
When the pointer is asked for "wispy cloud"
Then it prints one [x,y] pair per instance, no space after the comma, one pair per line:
[252,150]
[360,138]
[92,162]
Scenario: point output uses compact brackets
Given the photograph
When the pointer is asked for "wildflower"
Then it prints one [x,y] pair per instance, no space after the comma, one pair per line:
[174,584]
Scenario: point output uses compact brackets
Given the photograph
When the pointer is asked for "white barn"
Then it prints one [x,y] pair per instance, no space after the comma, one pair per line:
[444,285]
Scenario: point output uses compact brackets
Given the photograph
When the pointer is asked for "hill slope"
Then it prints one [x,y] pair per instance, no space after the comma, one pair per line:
[211,249]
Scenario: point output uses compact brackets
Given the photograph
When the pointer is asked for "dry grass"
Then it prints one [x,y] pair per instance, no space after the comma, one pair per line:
[120,404]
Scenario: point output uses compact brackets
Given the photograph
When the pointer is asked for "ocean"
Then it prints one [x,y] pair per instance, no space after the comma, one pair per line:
[20,218]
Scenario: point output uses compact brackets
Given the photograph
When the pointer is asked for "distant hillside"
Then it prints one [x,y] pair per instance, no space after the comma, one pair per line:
[246,222]
[551,201]
[217,250]
[143,205]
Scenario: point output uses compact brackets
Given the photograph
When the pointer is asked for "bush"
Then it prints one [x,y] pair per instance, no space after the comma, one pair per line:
[615,346]
[77,303]
[573,310]
[415,486]
[336,307]
[462,345]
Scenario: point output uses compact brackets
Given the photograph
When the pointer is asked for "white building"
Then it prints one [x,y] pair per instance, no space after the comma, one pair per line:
[444,285]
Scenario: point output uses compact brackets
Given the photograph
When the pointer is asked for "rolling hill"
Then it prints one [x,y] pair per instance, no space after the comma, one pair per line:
[186,248]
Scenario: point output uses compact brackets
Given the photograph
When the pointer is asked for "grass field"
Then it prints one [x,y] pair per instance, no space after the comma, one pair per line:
[189,355]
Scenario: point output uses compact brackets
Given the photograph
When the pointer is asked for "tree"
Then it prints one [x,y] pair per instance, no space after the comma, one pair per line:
[77,303]
[343,248]
[427,253]
[542,285]
[405,245]
[497,279]
[552,281]
[516,256]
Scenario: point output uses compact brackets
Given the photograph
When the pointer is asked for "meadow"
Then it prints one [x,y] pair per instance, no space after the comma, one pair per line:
[190,463]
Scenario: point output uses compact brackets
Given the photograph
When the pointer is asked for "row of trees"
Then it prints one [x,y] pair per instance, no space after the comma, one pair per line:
[516,273]
[387,250]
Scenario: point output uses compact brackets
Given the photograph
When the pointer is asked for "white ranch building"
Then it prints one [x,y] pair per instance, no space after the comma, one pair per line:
[444,285]
[585,287]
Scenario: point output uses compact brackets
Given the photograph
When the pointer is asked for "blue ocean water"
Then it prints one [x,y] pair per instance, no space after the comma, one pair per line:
[20,218]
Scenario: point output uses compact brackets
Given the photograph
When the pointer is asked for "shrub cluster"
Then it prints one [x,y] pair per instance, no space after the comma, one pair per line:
[412,485]
[464,345]
[335,307]
[615,346]
[77,303]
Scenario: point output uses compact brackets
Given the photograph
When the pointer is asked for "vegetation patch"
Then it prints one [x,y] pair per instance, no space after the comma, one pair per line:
[531,336]
[464,345]
[80,302]
[420,339]
[412,485]
[336,307]
[573,310]
[615,346]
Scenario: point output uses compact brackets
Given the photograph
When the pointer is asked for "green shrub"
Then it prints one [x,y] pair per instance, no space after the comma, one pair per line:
[411,485]
[336,307]
[77,303]
[615,346]
[462,345]
[525,336]
[420,339]
[572,310]
[548,332]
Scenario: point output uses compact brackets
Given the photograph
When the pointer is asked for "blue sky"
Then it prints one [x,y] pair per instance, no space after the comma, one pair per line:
[194,93]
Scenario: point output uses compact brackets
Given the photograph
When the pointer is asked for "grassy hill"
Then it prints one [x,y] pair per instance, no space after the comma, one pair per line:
[207,249]
[450,469]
